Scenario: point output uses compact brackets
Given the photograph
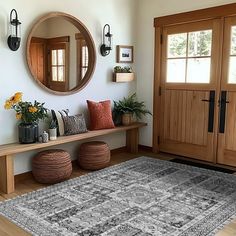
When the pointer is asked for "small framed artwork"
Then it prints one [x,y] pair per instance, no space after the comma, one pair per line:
[124,54]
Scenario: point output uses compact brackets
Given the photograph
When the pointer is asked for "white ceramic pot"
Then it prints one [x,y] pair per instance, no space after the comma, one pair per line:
[53,134]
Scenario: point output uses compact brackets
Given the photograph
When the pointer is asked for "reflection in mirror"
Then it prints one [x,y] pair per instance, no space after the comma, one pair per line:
[60,55]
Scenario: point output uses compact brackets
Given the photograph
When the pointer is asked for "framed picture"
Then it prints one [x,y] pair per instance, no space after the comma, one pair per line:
[124,54]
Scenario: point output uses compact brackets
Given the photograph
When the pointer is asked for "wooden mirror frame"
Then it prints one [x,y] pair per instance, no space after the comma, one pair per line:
[89,41]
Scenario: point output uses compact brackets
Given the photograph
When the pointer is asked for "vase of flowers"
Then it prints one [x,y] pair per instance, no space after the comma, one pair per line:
[28,114]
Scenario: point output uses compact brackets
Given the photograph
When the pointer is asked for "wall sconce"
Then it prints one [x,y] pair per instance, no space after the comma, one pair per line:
[106,46]
[14,37]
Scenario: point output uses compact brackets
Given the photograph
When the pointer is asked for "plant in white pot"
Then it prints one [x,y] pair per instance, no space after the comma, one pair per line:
[52,130]
[129,109]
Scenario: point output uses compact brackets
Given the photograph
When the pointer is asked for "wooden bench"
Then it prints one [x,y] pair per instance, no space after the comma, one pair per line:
[8,151]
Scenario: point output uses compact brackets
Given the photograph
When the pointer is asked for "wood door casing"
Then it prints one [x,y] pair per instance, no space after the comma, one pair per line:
[38,53]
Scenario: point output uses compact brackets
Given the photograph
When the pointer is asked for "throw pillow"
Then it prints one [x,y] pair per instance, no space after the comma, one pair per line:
[100,115]
[57,116]
[74,124]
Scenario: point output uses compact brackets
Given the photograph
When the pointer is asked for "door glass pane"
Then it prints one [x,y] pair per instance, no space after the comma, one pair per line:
[176,70]
[61,74]
[177,45]
[233,40]
[54,57]
[61,57]
[54,73]
[199,43]
[84,56]
[232,70]
[198,70]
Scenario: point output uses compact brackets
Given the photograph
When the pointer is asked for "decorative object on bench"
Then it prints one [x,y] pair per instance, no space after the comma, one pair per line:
[29,114]
[94,155]
[129,109]
[123,74]
[74,124]
[100,115]
[52,130]
[52,166]
[57,116]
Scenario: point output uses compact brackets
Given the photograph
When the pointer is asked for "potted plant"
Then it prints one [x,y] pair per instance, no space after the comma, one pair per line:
[28,114]
[52,130]
[123,74]
[129,109]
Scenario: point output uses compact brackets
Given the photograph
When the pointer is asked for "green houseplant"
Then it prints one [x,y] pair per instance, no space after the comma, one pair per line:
[129,109]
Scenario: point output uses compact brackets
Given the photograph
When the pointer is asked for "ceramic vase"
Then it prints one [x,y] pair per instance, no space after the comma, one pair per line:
[28,132]
[53,134]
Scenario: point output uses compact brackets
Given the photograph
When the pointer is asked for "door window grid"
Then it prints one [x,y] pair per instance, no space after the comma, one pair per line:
[189,57]
[84,66]
[58,65]
[232,57]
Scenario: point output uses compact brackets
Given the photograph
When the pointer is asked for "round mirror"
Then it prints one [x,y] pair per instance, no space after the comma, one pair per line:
[61,53]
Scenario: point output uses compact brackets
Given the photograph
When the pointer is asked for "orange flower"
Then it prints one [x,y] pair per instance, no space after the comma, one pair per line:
[18,116]
[33,109]
[8,104]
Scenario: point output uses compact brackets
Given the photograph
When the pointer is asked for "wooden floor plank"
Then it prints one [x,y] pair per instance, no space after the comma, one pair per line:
[28,185]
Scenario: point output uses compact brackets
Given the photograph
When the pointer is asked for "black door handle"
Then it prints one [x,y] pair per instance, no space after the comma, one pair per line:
[211,114]
[222,103]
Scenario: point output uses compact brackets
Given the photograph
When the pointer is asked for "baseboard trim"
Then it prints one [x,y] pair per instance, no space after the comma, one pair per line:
[144,148]
[29,175]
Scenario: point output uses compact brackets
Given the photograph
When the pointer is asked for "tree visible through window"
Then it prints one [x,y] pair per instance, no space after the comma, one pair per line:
[189,57]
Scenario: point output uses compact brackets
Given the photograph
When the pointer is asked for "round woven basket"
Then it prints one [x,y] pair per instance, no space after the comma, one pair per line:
[52,166]
[94,155]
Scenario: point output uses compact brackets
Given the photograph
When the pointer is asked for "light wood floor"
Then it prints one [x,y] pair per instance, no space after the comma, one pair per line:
[28,185]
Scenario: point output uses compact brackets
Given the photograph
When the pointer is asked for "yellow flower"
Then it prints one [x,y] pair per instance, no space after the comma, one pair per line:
[33,109]
[17,97]
[8,104]
[18,116]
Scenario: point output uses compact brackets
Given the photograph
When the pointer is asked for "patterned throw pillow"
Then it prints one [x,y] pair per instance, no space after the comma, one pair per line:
[74,124]
[100,115]
[57,116]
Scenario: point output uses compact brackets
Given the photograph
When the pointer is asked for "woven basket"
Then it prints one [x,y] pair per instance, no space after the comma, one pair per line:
[52,166]
[94,155]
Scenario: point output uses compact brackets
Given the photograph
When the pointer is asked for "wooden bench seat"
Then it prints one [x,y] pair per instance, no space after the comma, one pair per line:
[8,151]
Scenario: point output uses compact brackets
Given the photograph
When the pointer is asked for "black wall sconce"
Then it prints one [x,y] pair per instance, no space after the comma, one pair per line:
[106,46]
[14,37]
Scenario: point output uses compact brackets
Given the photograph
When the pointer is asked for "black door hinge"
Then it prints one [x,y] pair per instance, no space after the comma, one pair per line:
[158,139]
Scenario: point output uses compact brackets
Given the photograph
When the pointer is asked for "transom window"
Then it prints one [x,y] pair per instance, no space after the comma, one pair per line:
[189,57]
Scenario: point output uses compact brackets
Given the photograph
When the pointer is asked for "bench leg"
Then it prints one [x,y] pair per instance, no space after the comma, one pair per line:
[7,174]
[132,137]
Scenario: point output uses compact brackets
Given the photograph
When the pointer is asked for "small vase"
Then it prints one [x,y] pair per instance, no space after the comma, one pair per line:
[53,134]
[127,119]
[28,132]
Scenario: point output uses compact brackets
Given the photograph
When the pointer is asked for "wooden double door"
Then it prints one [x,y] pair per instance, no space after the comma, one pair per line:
[198,90]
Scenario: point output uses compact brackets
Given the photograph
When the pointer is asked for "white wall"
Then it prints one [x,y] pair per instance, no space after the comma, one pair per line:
[147,11]
[15,76]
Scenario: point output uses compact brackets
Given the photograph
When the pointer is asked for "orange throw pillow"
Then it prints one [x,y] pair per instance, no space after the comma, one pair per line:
[100,115]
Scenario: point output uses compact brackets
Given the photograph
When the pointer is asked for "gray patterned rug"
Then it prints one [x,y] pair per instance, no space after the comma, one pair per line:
[144,196]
